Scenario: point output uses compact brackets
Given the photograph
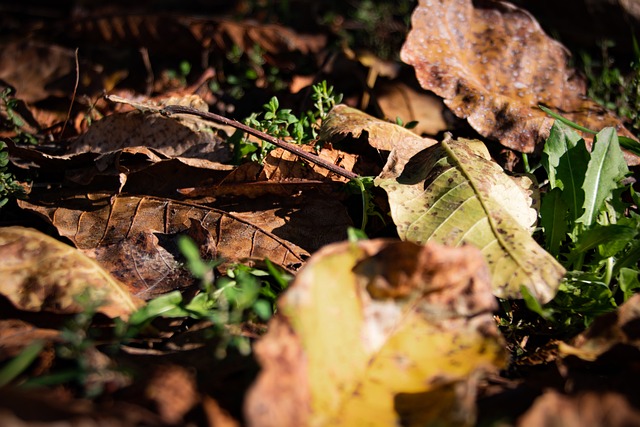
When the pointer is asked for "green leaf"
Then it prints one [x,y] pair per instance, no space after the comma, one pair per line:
[610,239]
[630,144]
[604,172]
[571,174]
[19,363]
[534,305]
[168,305]
[561,140]
[553,219]
[629,258]
[451,194]
[582,295]
[629,283]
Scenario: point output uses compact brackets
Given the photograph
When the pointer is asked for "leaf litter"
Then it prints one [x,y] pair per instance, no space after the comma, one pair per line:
[380,331]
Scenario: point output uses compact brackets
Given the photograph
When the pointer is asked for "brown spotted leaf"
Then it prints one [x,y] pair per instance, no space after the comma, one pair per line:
[378,333]
[493,65]
[135,237]
[40,273]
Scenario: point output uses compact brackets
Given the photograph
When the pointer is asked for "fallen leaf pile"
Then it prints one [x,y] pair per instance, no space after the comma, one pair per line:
[401,329]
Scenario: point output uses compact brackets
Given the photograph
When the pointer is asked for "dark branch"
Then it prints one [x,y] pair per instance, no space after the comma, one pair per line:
[177,109]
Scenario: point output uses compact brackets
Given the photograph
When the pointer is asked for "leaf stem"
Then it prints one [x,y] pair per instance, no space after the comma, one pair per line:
[609,273]
[177,109]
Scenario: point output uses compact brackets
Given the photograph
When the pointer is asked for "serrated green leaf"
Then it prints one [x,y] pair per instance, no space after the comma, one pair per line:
[553,219]
[605,170]
[449,194]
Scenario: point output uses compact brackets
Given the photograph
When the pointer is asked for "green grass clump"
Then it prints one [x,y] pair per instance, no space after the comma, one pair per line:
[590,223]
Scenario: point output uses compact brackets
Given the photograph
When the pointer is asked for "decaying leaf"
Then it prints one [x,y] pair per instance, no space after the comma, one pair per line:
[453,194]
[42,274]
[134,237]
[344,120]
[38,70]
[493,65]
[553,409]
[378,333]
[607,331]
[170,136]
[399,100]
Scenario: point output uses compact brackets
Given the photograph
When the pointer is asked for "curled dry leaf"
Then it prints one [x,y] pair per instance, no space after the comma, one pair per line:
[453,194]
[134,237]
[399,100]
[173,137]
[618,328]
[135,170]
[42,274]
[493,65]
[343,120]
[378,333]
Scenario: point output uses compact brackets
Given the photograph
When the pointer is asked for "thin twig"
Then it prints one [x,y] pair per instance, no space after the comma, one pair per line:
[177,109]
[73,97]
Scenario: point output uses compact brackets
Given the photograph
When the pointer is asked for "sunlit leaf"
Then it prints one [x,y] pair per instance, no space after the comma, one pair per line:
[452,194]
[40,273]
[377,332]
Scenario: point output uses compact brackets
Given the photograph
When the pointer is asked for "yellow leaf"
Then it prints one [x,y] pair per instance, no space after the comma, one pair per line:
[375,332]
[39,273]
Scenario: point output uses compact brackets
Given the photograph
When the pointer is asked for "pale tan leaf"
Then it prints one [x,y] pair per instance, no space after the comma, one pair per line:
[453,194]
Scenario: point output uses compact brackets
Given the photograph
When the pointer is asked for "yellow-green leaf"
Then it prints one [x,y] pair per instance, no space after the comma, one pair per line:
[453,194]
[40,273]
[378,333]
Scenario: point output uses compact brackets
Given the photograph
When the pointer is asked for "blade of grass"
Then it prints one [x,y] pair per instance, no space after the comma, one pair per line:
[18,364]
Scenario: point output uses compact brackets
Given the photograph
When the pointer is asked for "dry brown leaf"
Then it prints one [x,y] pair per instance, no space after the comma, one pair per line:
[134,237]
[173,137]
[493,65]
[282,174]
[344,120]
[20,407]
[174,391]
[134,170]
[38,70]
[399,100]
[309,222]
[42,274]
[606,409]
[618,328]
[17,334]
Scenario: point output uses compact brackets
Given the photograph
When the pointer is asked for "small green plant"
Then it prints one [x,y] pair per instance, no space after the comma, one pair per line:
[244,294]
[181,74]
[77,358]
[246,69]
[8,184]
[587,226]
[364,186]
[409,125]
[13,120]
[283,124]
